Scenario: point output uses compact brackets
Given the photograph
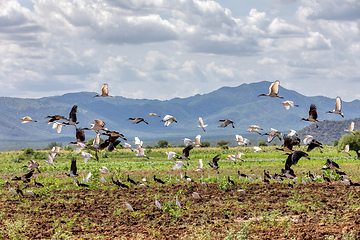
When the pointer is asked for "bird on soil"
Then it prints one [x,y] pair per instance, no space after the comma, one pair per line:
[79,184]
[273,90]
[337,109]
[158,180]
[73,169]
[157,204]
[231,182]
[137,120]
[177,202]
[37,184]
[129,206]
[312,115]
[104,91]
[294,157]
[168,119]
[27,119]
[226,122]
[288,104]
[119,183]
[129,180]
[351,128]
[201,124]
[200,166]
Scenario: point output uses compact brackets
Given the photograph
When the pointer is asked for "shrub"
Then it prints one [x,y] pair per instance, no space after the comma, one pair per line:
[262,144]
[221,143]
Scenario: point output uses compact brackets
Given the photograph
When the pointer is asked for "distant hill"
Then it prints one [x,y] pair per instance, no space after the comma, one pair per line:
[241,104]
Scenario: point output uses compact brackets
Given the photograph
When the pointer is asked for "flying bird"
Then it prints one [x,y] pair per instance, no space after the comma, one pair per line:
[72,116]
[312,143]
[137,120]
[351,128]
[97,126]
[170,155]
[346,150]
[254,128]
[197,141]
[178,165]
[168,119]
[32,164]
[186,153]
[226,122]
[104,91]
[58,126]
[294,157]
[27,119]
[140,152]
[112,141]
[214,163]
[337,109]
[201,124]
[241,141]
[273,134]
[288,104]
[104,169]
[154,115]
[257,149]
[273,90]
[187,141]
[312,115]
[86,156]
[53,118]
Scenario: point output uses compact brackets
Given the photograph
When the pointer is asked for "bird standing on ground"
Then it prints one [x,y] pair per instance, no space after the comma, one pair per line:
[201,124]
[337,109]
[312,115]
[226,122]
[104,91]
[273,90]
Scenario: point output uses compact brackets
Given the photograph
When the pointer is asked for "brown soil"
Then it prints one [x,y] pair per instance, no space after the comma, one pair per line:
[263,211]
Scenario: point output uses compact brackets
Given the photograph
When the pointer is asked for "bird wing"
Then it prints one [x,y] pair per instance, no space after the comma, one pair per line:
[200,163]
[87,177]
[201,123]
[72,114]
[105,89]
[274,87]
[352,126]
[338,104]
[73,167]
[313,112]
[347,148]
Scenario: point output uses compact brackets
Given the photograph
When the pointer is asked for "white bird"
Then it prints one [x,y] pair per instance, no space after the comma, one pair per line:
[129,207]
[177,202]
[102,179]
[154,115]
[201,124]
[272,134]
[178,165]
[257,149]
[50,160]
[346,149]
[26,119]
[307,140]
[351,128]
[96,142]
[273,90]
[138,142]
[241,141]
[127,146]
[11,190]
[292,133]
[187,141]
[86,179]
[200,166]
[288,104]
[86,156]
[168,119]
[140,152]
[337,109]
[57,125]
[104,170]
[170,155]
[197,141]
[32,164]
[254,128]
[157,204]
[104,91]
[55,150]
[79,146]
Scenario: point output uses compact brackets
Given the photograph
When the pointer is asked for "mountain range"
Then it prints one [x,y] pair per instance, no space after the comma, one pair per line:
[241,104]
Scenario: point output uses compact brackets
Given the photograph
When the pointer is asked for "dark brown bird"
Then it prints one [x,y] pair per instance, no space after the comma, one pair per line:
[25,178]
[226,122]
[53,118]
[37,184]
[214,164]
[137,120]
[186,153]
[158,180]
[112,141]
[312,115]
[119,183]
[294,157]
[289,142]
[330,164]
[72,117]
[231,182]
[313,144]
[131,180]
[73,169]
[79,184]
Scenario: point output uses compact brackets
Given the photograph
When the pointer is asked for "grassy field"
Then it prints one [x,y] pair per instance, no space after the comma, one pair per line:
[231,220]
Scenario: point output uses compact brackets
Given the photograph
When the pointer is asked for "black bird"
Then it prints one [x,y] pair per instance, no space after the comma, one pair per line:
[158,180]
[242,174]
[326,179]
[312,115]
[187,178]
[37,184]
[288,173]
[73,169]
[79,184]
[112,140]
[266,175]
[72,116]
[25,178]
[289,142]
[294,157]
[214,164]
[231,182]
[137,120]
[330,164]
[53,118]
[119,183]
[19,191]
[186,153]
[131,181]
[226,122]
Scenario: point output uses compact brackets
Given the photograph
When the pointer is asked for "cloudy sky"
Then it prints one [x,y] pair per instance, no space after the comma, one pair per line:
[161,49]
